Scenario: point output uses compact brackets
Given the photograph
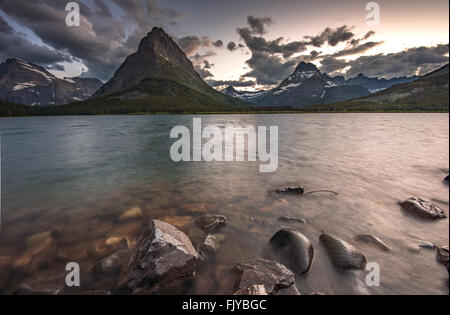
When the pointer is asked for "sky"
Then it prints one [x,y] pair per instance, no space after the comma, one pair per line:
[250,44]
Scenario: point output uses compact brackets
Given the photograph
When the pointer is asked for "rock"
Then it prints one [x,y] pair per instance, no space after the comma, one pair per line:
[291,219]
[423,208]
[253,290]
[162,262]
[105,274]
[180,222]
[133,213]
[443,256]
[111,264]
[299,190]
[26,289]
[211,223]
[374,240]
[210,246]
[120,242]
[269,273]
[446,179]
[294,249]
[38,239]
[343,254]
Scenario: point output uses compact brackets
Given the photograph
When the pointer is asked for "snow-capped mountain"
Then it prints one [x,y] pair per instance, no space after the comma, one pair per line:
[29,84]
[374,85]
[242,95]
[306,86]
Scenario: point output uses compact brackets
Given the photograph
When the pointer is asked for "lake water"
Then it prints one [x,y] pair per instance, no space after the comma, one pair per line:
[66,181]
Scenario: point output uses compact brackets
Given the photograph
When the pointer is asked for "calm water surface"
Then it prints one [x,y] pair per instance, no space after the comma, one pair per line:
[66,181]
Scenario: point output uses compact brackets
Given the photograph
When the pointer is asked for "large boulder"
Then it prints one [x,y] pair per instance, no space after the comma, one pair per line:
[275,277]
[294,250]
[105,273]
[343,255]
[423,208]
[162,262]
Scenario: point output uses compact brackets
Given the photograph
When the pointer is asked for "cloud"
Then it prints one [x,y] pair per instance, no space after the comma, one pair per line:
[235,83]
[13,44]
[189,44]
[102,41]
[258,24]
[218,44]
[357,49]
[269,69]
[419,60]
[331,36]
[232,46]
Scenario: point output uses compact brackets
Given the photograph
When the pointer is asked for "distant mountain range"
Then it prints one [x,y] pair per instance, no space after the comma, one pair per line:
[307,86]
[427,93]
[29,84]
[159,77]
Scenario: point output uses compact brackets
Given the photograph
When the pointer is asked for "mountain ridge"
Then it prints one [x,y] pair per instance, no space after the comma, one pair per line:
[30,84]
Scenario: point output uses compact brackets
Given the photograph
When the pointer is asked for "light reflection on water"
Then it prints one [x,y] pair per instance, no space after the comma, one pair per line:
[77,175]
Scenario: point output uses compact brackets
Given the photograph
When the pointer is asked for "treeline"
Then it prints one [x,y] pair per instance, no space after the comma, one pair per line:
[115,106]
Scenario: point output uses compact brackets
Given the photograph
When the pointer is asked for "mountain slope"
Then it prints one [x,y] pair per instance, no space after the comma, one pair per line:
[428,93]
[26,83]
[158,58]
[304,87]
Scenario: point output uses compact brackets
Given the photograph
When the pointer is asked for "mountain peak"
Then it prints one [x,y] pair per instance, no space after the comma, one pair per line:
[306,67]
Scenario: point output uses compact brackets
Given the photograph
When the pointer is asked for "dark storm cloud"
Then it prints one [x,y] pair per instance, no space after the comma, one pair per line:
[405,63]
[260,44]
[269,69]
[258,24]
[232,46]
[331,36]
[202,65]
[101,41]
[357,49]
[235,83]
[14,45]
[218,44]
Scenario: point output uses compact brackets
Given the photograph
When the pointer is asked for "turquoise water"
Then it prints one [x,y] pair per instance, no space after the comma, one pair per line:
[77,175]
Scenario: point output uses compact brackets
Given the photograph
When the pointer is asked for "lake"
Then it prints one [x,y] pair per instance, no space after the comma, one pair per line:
[67,181]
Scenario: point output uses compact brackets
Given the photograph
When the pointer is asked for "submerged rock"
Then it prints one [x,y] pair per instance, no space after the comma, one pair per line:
[423,208]
[443,256]
[208,248]
[211,223]
[111,264]
[374,240]
[132,213]
[299,190]
[26,289]
[269,273]
[343,255]
[292,219]
[294,249]
[253,290]
[162,262]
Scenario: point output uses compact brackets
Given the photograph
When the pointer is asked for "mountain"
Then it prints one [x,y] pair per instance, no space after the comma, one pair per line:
[372,84]
[306,86]
[29,84]
[242,95]
[161,72]
[427,93]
